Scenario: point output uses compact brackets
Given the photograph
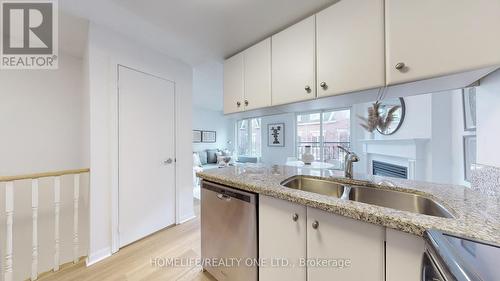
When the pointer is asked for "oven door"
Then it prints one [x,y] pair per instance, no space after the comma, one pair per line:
[430,272]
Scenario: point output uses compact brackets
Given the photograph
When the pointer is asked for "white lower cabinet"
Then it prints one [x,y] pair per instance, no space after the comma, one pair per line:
[334,247]
[282,237]
[404,254]
[357,248]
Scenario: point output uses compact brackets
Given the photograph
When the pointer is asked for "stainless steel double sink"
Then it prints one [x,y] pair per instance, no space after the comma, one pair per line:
[375,196]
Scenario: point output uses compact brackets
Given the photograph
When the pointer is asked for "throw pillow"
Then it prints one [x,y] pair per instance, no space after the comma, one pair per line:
[203,157]
[212,156]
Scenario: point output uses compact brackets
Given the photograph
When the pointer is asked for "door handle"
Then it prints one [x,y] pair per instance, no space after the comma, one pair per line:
[168,161]
[223,197]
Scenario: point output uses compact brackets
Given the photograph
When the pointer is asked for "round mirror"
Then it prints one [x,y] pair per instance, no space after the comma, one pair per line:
[392,112]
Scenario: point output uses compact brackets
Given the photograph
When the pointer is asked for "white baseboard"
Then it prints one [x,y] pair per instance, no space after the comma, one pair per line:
[98,256]
[186,219]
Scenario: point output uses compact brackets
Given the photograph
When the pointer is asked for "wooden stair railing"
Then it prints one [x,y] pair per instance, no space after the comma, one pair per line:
[9,211]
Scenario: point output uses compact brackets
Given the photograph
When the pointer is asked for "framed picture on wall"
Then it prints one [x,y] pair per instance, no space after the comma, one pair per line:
[196,136]
[276,134]
[469,108]
[469,155]
[209,136]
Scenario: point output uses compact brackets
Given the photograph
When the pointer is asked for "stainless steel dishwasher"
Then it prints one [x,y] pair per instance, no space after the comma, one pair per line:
[229,232]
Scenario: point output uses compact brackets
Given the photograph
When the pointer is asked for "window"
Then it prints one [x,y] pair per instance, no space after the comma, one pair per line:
[324,131]
[249,137]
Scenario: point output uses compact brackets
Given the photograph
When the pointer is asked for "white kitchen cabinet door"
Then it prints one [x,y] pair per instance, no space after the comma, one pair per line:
[404,254]
[350,47]
[337,237]
[293,63]
[233,84]
[282,234]
[435,38]
[258,75]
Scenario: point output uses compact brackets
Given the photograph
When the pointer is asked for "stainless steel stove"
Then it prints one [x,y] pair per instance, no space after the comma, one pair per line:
[449,257]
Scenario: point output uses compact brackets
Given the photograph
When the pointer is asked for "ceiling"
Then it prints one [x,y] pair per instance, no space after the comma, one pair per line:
[195,31]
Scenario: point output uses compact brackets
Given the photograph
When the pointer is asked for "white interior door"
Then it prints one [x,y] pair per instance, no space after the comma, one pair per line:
[146,154]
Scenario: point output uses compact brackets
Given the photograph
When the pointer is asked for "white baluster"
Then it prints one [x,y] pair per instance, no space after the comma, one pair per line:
[57,207]
[34,243]
[76,195]
[9,211]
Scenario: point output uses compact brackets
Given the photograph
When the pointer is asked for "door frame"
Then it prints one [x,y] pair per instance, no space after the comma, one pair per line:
[114,144]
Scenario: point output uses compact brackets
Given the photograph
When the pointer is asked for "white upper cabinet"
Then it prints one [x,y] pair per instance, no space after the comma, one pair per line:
[350,47]
[282,235]
[257,73]
[357,45]
[293,63]
[233,84]
[428,38]
[331,236]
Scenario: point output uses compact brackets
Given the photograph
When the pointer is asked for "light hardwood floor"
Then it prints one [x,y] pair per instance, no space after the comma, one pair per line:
[134,262]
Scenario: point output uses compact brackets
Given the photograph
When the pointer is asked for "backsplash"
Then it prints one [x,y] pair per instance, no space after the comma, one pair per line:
[486,178]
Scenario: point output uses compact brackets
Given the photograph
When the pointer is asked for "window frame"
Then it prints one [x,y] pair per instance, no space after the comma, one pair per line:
[321,136]
[249,135]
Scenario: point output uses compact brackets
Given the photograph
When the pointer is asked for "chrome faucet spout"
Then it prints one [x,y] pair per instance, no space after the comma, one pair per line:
[350,158]
[344,149]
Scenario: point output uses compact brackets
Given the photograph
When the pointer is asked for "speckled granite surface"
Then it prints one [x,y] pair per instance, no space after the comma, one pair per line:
[486,179]
[477,214]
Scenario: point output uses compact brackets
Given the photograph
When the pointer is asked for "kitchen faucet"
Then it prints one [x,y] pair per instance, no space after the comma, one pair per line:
[350,158]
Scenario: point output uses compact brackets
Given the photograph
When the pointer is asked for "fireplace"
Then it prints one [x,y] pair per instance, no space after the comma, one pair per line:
[400,158]
[389,170]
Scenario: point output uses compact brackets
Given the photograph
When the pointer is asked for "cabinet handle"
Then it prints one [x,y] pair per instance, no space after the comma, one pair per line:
[323,85]
[295,217]
[238,104]
[307,88]
[246,102]
[400,65]
[315,225]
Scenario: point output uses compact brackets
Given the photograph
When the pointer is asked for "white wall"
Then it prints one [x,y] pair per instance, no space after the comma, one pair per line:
[208,85]
[42,119]
[106,50]
[211,120]
[278,155]
[439,148]
[488,120]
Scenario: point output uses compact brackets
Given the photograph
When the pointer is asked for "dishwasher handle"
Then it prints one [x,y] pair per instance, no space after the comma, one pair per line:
[224,197]
[229,193]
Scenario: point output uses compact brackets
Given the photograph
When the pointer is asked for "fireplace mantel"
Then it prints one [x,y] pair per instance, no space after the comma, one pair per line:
[403,148]
[410,153]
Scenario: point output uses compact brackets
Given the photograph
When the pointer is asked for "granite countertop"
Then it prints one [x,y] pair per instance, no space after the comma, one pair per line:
[477,214]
